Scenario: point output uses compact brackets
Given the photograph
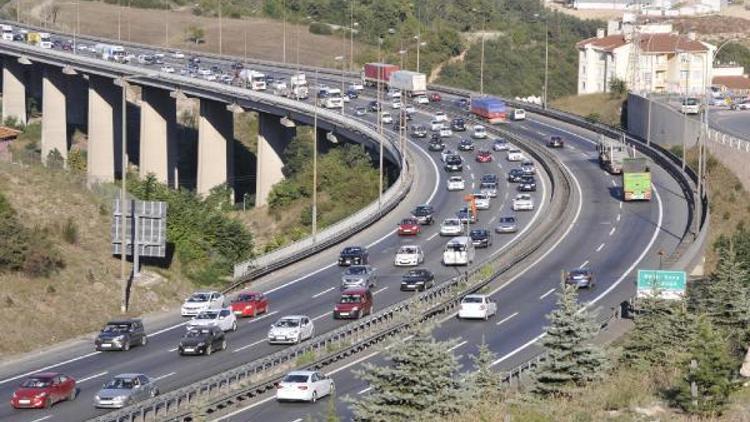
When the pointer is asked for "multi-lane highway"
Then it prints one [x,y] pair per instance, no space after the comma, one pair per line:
[611,237]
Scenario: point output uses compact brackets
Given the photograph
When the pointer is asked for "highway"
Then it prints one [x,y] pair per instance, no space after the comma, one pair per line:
[611,237]
[732,122]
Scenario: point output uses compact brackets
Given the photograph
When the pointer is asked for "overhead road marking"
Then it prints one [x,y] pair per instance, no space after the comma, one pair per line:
[541,133]
[600,247]
[508,318]
[585,263]
[317,295]
[364,390]
[239,349]
[549,292]
[90,377]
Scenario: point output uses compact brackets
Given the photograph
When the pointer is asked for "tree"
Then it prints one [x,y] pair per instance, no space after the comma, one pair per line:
[55,160]
[571,358]
[195,33]
[419,379]
[77,161]
[484,380]
[710,368]
[617,87]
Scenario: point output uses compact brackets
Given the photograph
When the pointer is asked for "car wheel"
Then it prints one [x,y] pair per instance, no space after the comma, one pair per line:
[208,350]
[154,392]
[73,394]
[48,403]
[224,345]
[314,397]
[144,340]
[126,347]
[234,326]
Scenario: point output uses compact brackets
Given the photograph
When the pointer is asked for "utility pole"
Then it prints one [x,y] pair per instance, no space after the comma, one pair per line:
[123,199]
[220,30]
[283,42]
[546,60]
[351,37]
[380,125]
[481,62]
[315,164]
[166,23]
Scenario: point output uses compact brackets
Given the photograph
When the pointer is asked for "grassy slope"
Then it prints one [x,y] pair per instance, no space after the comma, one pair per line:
[607,107]
[37,312]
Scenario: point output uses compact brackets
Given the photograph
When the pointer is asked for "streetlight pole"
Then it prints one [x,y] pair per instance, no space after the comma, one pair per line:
[166,23]
[343,63]
[380,126]
[351,36]
[220,30]
[123,197]
[481,63]
[283,42]
[546,61]
[315,165]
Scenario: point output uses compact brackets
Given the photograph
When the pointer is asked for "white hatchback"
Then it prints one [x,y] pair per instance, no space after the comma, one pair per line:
[477,306]
[451,227]
[479,132]
[386,117]
[222,318]
[455,183]
[304,386]
[421,100]
[409,256]
[515,155]
[523,202]
[202,301]
[441,117]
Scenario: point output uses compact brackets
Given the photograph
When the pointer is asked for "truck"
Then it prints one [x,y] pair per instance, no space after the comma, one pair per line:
[612,152]
[298,87]
[253,80]
[411,83]
[636,179]
[33,38]
[330,98]
[375,73]
[492,109]
[7,32]
[110,52]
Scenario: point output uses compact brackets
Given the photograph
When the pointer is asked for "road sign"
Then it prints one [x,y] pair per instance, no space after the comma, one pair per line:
[665,284]
[150,230]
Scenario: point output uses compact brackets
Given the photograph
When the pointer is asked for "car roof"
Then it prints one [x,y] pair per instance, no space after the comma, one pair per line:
[307,373]
[205,292]
[129,375]
[476,295]
[249,292]
[122,321]
[294,317]
[355,290]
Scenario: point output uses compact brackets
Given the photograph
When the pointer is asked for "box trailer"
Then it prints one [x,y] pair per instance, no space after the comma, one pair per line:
[491,109]
[411,83]
[375,73]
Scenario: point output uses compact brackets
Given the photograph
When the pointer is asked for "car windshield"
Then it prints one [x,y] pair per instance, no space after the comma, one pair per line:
[115,328]
[351,251]
[356,271]
[472,299]
[207,315]
[244,298]
[579,273]
[296,378]
[350,299]
[198,297]
[288,323]
[407,250]
[456,179]
[408,221]
[37,382]
[120,384]
[422,211]
[455,247]
[691,101]
[414,274]
[452,222]
[454,159]
[478,233]
[488,185]
[507,220]
[196,333]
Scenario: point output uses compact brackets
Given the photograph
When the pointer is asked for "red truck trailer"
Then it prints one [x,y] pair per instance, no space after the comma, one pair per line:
[375,72]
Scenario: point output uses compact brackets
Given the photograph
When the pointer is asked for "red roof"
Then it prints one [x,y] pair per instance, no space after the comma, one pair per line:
[8,133]
[732,82]
[651,43]
[607,43]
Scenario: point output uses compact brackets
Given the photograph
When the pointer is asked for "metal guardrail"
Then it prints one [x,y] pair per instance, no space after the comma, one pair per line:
[257,377]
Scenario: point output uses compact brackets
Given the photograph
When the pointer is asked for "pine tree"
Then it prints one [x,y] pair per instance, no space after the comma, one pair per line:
[484,380]
[571,358]
[713,373]
[420,379]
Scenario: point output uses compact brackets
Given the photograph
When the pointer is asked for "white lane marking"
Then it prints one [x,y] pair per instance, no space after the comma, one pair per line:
[457,346]
[508,318]
[7,380]
[321,316]
[620,204]
[612,231]
[239,349]
[172,350]
[492,219]
[572,148]
[432,237]
[472,176]
[541,133]
[614,285]
[43,418]
[379,290]
[468,167]
[166,329]
[298,420]
[364,390]
[472,185]
[600,247]
[618,217]
[549,292]
[90,377]
[264,316]
[585,263]
[614,183]
[317,295]
[161,377]
[499,165]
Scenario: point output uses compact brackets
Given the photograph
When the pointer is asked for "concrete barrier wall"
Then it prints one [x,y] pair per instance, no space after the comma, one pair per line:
[668,126]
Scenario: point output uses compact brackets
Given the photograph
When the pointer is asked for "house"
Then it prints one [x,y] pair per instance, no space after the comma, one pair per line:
[7,135]
[733,86]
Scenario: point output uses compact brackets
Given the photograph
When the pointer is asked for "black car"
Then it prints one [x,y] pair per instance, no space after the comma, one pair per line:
[515,175]
[527,184]
[423,214]
[202,341]
[555,142]
[418,131]
[465,216]
[436,145]
[454,163]
[489,178]
[121,334]
[353,255]
[481,238]
[462,103]
[270,79]
[374,106]
[581,277]
[417,279]
[466,145]
[458,125]
[238,66]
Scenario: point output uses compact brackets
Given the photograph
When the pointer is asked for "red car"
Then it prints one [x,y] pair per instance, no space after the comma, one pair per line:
[484,156]
[409,226]
[249,304]
[43,390]
[435,97]
[353,303]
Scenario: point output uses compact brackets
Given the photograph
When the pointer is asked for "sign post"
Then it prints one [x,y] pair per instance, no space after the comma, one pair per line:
[660,283]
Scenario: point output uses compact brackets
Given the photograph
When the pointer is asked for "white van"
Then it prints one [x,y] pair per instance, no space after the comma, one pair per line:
[518,114]
[459,251]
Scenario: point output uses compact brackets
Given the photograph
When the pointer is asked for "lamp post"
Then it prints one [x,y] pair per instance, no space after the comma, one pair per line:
[166,23]
[78,24]
[341,59]
[220,30]
[401,55]
[380,125]
[283,42]
[315,165]
[352,25]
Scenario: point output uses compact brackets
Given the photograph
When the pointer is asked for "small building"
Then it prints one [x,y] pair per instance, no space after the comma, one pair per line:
[7,135]
[733,86]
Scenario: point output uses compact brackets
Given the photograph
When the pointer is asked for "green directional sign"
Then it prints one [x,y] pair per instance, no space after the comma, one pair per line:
[665,284]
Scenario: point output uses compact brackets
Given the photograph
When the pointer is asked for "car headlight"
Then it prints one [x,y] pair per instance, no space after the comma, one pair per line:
[15,395]
[97,398]
[356,308]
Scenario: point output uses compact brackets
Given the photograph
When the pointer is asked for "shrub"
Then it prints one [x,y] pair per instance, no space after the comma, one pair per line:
[320,29]
[70,231]
[55,160]
[77,162]
[42,258]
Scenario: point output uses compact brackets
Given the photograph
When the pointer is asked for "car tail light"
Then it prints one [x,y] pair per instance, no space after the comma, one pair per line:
[302,387]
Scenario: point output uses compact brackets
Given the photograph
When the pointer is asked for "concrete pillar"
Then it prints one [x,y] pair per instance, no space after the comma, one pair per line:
[158,135]
[273,137]
[14,90]
[54,122]
[105,129]
[215,136]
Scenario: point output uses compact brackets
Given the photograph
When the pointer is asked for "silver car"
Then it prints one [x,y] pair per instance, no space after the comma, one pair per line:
[124,390]
[506,225]
[359,276]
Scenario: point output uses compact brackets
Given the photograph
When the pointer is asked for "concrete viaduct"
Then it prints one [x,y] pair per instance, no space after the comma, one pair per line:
[89,93]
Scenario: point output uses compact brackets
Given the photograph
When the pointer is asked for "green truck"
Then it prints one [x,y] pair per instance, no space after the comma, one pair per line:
[636,179]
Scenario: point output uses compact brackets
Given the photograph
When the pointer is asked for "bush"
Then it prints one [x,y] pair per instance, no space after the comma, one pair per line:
[70,231]
[55,160]
[320,29]
[42,258]
[77,162]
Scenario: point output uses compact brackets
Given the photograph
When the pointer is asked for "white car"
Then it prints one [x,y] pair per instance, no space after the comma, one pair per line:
[357,87]
[222,318]
[518,114]
[167,69]
[500,145]
[409,256]
[690,106]
[455,183]
[394,93]
[482,201]
[291,329]
[523,202]
[528,167]
[477,306]
[515,155]
[451,227]
[386,118]
[422,100]
[479,132]
[304,386]
[202,301]
[396,104]
[440,117]
[178,55]
[410,109]
[436,126]
[445,132]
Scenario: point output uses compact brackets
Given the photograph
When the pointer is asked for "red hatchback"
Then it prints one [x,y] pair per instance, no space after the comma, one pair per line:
[435,97]
[409,227]
[249,304]
[484,156]
[43,390]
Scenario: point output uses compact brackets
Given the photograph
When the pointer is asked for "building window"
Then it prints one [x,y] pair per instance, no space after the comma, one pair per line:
[683,76]
[684,58]
[647,80]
